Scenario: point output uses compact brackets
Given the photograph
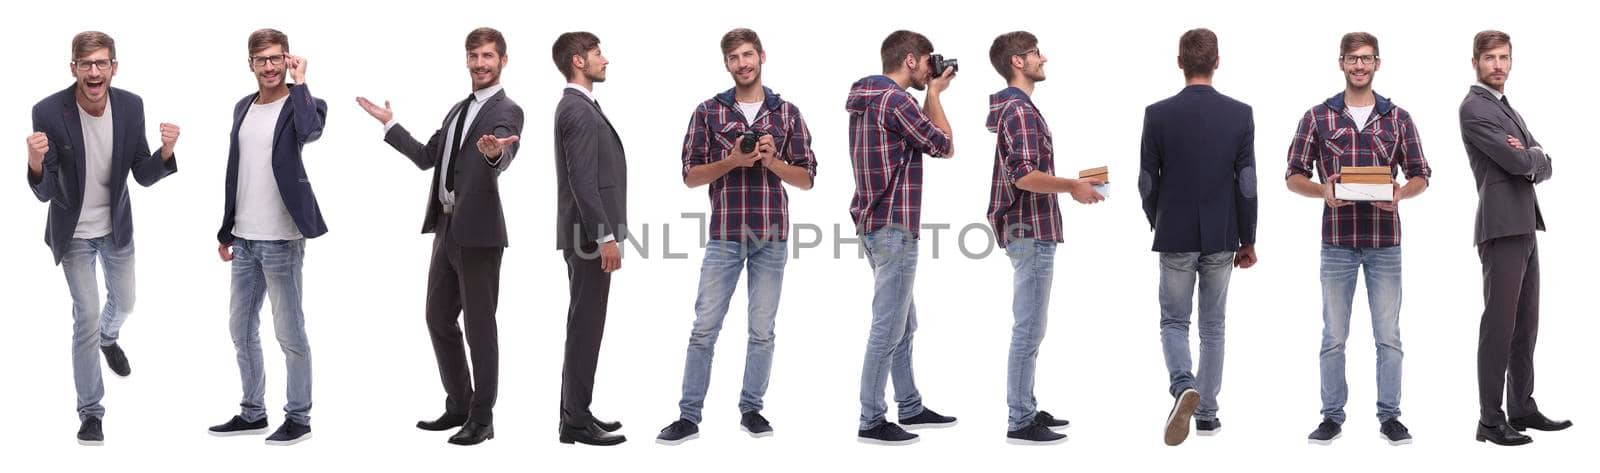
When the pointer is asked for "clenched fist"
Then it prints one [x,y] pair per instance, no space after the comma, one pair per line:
[38,145]
[169,138]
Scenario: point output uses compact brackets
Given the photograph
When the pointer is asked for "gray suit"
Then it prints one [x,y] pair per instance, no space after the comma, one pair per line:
[1508,215]
[468,243]
[591,174]
[592,201]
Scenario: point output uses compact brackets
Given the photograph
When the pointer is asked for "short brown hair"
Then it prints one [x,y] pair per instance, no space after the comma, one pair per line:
[481,36]
[1353,41]
[1008,45]
[1197,53]
[1489,39]
[740,36]
[265,38]
[576,43]
[90,41]
[899,44]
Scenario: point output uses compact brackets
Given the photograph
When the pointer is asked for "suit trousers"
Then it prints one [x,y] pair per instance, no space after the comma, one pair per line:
[464,283]
[590,288]
[1509,327]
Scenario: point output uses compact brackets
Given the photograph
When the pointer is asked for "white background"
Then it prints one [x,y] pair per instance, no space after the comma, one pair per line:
[1101,365]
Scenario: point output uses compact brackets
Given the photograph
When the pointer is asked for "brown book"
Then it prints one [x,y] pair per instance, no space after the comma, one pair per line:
[1103,173]
[1365,175]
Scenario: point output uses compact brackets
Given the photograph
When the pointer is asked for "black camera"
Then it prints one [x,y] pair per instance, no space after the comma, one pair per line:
[939,64]
[747,139]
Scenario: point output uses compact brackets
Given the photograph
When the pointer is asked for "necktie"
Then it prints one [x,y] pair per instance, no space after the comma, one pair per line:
[455,148]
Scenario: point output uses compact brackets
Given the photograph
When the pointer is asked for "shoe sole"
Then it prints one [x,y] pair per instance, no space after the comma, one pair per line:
[1507,444]
[1178,420]
[1325,442]
[285,443]
[929,425]
[1208,433]
[237,433]
[1035,443]
[888,443]
[1394,443]
[92,443]
[673,443]
[569,441]
[755,434]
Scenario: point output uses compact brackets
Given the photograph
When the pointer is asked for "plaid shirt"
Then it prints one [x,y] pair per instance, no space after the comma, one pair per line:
[1022,146]
[747,204]
[888,135]
[1328,140]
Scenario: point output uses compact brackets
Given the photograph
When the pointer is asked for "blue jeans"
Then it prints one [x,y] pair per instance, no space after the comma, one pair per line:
[270,269]
[719,276]
[94,326]
[892,252]
[1034,263]
[1179,274]
[1339,266]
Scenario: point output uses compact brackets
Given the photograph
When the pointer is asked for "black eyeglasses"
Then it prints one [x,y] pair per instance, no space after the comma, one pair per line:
[258,61]
[102,64]
[1351,60]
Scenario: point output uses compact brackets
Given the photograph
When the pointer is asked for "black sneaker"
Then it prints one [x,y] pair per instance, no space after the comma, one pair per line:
[1035,434]
[238,426]
[928,420]
[289,433]
[754,424]
[678,432]
[1326,432]
[116,359]
[1395,432]
[1047,420]
[1183,407]
[1207,428]
[89,433]
[887,433]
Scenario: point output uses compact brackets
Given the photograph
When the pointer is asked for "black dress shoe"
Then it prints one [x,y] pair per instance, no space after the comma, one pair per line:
[1538,421]
[589,434]
[608,426]
[1502,434]
[473,433]
[444,422]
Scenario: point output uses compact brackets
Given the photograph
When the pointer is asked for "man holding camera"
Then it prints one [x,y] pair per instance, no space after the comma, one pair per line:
[1358,128]
[888,136]
[746,142]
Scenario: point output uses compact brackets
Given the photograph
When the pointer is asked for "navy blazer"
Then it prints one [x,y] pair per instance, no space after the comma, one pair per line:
[61,179]
[299,122]
[1197,174]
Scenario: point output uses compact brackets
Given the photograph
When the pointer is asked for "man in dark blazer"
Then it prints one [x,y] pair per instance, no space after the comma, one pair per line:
[268,214]
[474,144]
[86,140]
[591,222]
[1506,163]
[1197,178]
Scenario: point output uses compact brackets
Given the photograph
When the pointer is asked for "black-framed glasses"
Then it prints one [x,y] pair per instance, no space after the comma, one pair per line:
[1352,60]
[102,64]
[259,61]
[1025,53]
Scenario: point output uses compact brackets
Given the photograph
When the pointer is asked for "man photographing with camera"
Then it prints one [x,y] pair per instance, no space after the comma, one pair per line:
[888,135]
[746,142]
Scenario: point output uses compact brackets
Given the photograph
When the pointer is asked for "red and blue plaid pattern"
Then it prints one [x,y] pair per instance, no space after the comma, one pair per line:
[888,135]
[1328,139]
[747,204]
[1022,146]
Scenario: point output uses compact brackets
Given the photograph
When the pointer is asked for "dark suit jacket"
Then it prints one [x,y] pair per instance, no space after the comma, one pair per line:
[61,178]
[1197,174]
[479,219]
[591,175]
[299,122]
[1507,205]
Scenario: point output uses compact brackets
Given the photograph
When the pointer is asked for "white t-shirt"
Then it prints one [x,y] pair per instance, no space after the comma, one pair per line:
[1361,114]
[94,217]
[750,110]
[259,213]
